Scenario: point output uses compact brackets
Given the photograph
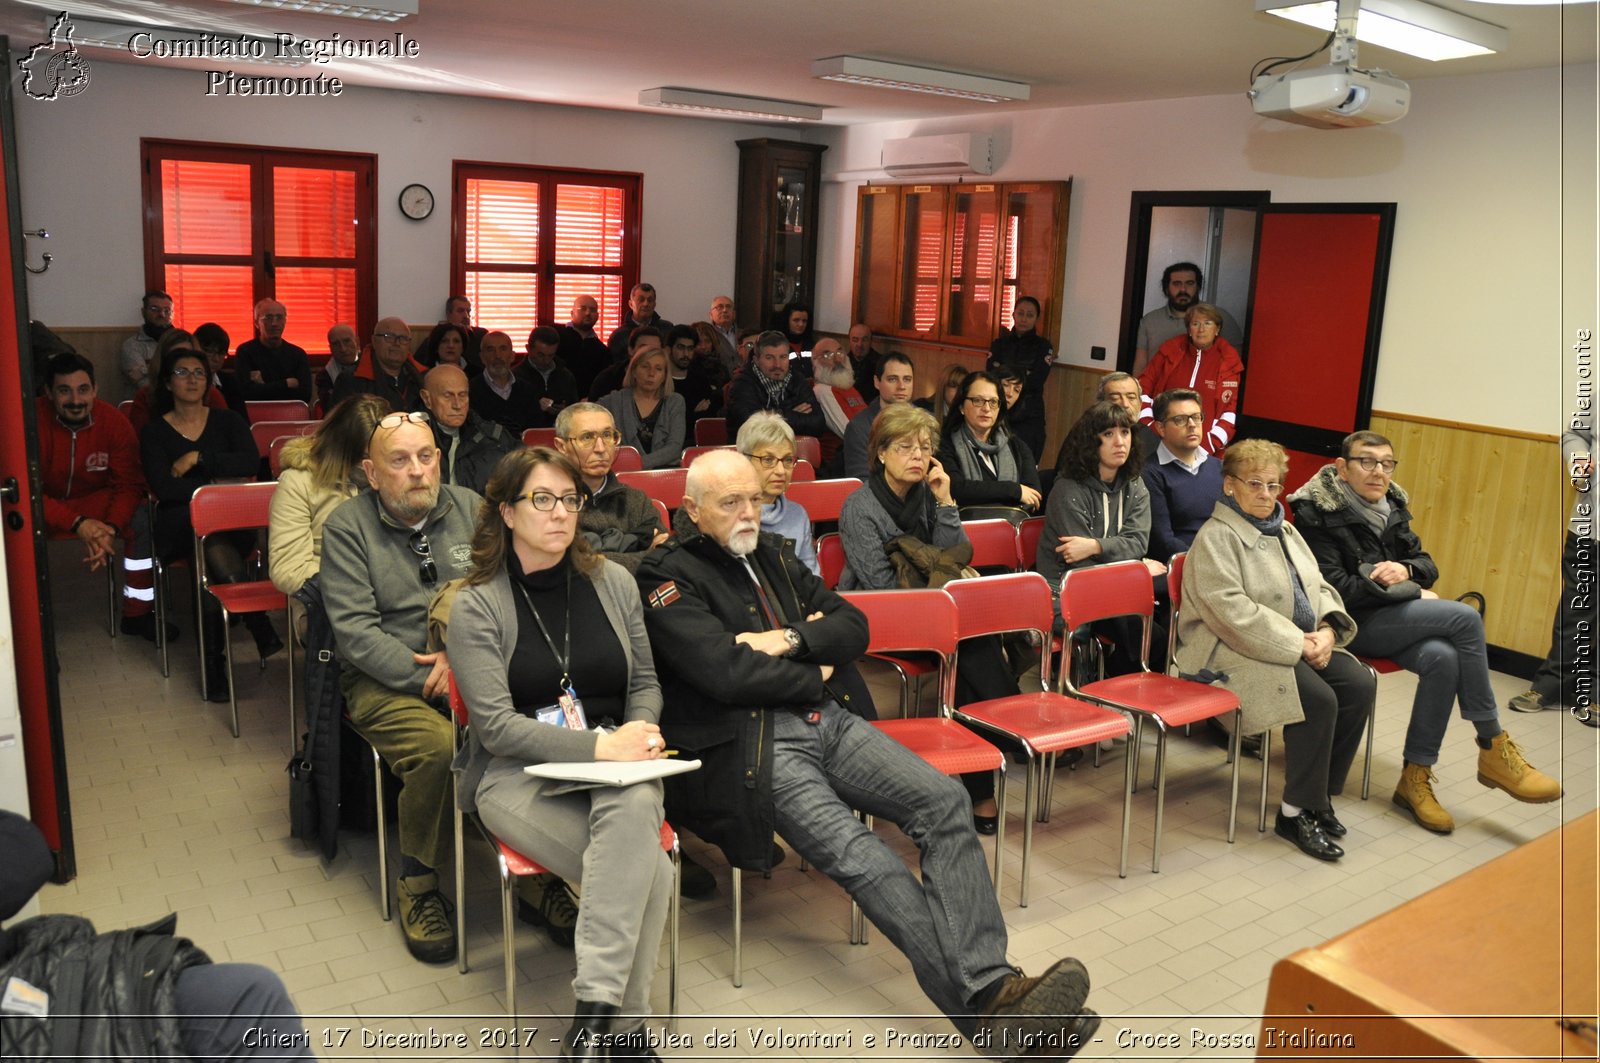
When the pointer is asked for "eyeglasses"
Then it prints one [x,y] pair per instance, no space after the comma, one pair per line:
[1179,420]
[181,373]
[905,448]
[393,337]
[984,404]
[395,420]
[585,440]
[427,569]
[767,461]
[1259,486]
[544,501]
[1370,463]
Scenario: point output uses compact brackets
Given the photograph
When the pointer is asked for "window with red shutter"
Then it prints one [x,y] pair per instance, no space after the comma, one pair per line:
[531,239]
[226,226]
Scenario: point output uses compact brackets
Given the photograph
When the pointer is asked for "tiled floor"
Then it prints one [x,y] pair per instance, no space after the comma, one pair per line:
[171,813]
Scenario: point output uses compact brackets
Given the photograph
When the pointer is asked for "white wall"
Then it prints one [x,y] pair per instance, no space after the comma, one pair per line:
[80,180]
[1473,326]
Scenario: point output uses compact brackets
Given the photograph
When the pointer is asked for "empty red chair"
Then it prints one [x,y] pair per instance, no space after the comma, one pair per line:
[711,432]
[663,485]
[822,499]
[276,410]
[994,543]
[539,437]
[804,472]
[264,432]
[1028,535]
[691,453]
[628,459]
[808,448]
[1100,592]
[830,558]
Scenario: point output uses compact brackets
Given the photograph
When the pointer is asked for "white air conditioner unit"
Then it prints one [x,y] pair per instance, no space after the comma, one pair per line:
[947,154]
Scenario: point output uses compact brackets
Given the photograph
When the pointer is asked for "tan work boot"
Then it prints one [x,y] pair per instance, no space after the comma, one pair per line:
[425,919]
[1502,765]
[1415,795]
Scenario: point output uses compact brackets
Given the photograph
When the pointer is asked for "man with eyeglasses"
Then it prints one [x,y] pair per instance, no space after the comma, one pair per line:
[391,373]
[1355,519]
[582,350]
[269,366]
[619,521]
[726,329]
[138,349]
[751,648]
[551,384]
[833,382]
[771,383]
[1183,480]
[385,553]
[895,383]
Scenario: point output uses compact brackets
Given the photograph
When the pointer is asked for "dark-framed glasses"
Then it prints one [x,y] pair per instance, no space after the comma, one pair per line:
[767,461]
[544,501]
[1180,420]
[984,404]
[1370,463]
[426,567]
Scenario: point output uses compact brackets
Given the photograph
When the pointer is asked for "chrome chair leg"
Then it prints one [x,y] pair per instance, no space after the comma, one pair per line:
[738,927]
[1266,770]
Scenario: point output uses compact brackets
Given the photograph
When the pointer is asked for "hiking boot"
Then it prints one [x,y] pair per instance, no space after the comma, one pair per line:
[1035,1016]
[1502,765]
[1065,1041]
[1529,701]
[1415,795]
[544,900]
[425,919]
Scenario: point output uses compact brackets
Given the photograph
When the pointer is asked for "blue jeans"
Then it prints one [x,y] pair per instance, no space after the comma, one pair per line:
[948,924]
[1442,642]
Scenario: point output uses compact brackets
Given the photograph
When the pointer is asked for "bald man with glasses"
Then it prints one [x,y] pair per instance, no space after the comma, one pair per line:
[390,373]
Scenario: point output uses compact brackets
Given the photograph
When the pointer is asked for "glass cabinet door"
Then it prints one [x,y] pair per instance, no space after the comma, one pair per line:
[877,226]
[922,264]
[790,209]
[1032,221]
[974,250]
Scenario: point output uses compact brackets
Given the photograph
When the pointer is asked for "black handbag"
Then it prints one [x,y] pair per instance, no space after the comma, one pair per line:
[303,805]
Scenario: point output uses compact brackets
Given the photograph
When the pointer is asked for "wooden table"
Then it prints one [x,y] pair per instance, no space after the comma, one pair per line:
[1480,968]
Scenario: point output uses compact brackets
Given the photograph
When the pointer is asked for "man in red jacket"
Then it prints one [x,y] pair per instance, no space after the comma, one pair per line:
[93,485]
[1204,362]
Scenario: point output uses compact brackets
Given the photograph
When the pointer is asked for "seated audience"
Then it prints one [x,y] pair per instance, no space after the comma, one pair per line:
[344,355]
[896,383]
[619,521]
[320,472]
[384,554]
[212,340]
[641,314]
[1207,363]
[172,339]
[93,483]
[1258,615]
[1355,519]
[768,441]
[1029,356]
[771,382]
[609,379]
[551,385]
[748,645]
[502,395]
[646,410]
[543,619]
[187,445]
[863,359]
[469,446]
[139,350]
[1122,389]
[834,385]
[269,366]
[445,345]
[988,465]
[582,351]
[1184,481]
[390,373]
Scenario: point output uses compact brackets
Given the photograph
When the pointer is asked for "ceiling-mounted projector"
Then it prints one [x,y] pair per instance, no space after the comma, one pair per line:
[1331,97]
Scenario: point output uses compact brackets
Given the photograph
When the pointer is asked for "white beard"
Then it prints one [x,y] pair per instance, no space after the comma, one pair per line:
[744,540]
[840,377]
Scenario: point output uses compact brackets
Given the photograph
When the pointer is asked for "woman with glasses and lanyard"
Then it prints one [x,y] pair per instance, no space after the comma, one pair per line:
[544,634]
[185,446]
[1260,618]
[989,465]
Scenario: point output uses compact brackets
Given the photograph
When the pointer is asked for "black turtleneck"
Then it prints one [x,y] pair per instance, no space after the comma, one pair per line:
[599,669]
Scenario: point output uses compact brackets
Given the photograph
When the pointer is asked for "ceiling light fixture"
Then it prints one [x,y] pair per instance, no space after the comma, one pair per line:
[736,106]
[366,10]
[858,71]
[1408,26]
[172,42]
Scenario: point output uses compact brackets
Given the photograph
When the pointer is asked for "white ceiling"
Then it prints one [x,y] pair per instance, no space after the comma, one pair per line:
[602,52]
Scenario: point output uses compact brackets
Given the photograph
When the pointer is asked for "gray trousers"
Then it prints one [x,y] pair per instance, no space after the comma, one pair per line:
[609,838]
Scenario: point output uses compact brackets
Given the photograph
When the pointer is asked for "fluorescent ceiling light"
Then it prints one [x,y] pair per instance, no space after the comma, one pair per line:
[173,42]
[367,10]
[722,103]
[1408,26]
[858,71]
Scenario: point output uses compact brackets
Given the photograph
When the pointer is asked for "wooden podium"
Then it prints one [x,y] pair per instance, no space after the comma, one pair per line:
[1483,967]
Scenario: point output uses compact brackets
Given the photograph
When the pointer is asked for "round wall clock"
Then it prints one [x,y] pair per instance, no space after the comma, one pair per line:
[416,202]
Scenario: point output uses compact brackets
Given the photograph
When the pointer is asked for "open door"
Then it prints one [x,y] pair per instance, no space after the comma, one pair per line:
[1316,315]
[32,626]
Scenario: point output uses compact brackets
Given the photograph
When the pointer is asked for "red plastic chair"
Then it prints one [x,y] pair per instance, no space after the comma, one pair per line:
[830,558]
[276,410]
[994,543]
[691,453]
[628,459]
[125,407]
[1100,592]
[663,513]
[804,472]
[711,432]
[1028,536]
[663,485]
[1043,722]
[539,437]
[808,448]
[275,454]
[822,499]
[235,507]
[264,432]
[515,865]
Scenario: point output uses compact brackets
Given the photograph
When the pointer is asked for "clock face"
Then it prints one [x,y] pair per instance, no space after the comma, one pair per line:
[416,202]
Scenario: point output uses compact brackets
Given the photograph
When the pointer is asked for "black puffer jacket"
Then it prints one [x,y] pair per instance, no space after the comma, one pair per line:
[1343,541]
[719,694]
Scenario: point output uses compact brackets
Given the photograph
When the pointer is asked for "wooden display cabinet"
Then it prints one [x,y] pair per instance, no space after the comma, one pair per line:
[779,185]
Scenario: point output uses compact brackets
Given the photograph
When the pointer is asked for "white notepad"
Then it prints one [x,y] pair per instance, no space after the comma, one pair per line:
[611,772]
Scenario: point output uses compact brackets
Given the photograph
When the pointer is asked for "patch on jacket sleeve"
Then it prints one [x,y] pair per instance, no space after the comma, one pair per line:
[663,595]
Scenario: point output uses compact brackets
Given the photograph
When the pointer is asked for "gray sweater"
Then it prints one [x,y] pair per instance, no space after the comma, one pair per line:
[371,581]
[1119,518]
[865,526]
[483,637]
[667,442]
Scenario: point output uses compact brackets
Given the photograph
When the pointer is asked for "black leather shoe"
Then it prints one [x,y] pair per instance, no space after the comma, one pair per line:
[986,825]
[1307,833]
[590,1032]
[694,880]
[1330,824]
[144,627]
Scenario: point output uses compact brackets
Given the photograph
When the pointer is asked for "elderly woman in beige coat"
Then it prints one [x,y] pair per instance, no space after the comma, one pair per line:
[1258,614]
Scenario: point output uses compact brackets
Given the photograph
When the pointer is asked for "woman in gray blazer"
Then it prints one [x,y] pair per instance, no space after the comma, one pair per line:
[1258,614]
[546,640]
[649,414]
